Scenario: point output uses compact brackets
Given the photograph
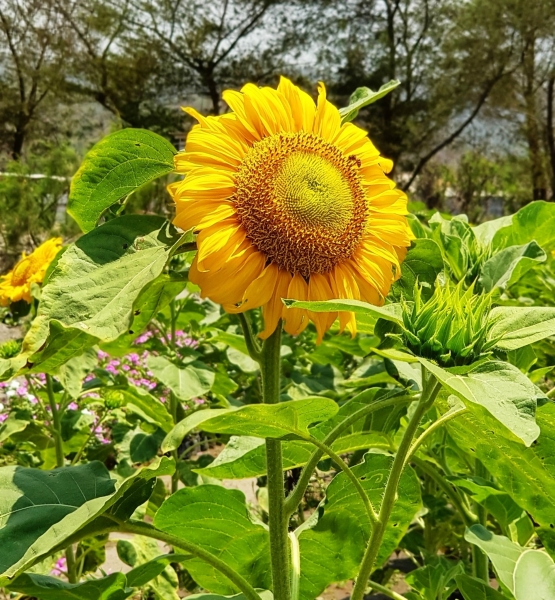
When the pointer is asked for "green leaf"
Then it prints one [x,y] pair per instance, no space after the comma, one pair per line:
[92,290]
[332,547]
[499,503]
[113,587]
[526,474]
[536,221]
[500,388]
[139,447]
[72,373]
[174,438]
[516,326]
[32,501]
[13,424]
[218,520]
[152,300]
[264,594]
[260,420]
[114,168]
[145,572]
[364,96]
[476,589]
[457,240]
[432,579]
[246,457]
[526,573]
[534,576]
[485,232]
[509,265]
[142,553]
[423,263]
[59,503]
[389,312]
[148,407]
[187,382]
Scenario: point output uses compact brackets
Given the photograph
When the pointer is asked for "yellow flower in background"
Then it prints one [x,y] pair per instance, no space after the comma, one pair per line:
[16,285]
[288,203]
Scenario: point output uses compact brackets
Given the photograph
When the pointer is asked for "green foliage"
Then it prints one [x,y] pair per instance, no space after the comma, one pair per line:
[332,546]
[364,96]
[113,169]
[218,520]
[524,572]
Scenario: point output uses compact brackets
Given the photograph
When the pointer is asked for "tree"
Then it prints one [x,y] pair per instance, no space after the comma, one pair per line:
[34,49]
[212,43]
[126,75]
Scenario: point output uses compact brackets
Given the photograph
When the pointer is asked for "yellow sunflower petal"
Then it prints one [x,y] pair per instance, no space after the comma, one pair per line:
[296,319]
[259,291]
[273,311]
[328,120]
[302,105]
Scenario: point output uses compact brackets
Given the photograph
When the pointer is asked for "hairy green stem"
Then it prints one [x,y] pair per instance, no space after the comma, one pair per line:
[451,414]
[140,528]
[72,575]
[296,496]
[385,591]
[253,345]
[430,390]
[468,517]
[480,561]
[56,422]
[270,367]
[79,454]
[175,453]
[295,566]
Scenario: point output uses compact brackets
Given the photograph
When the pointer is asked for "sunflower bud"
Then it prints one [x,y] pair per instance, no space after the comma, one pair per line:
[451,327]
[10,349]
[112,398]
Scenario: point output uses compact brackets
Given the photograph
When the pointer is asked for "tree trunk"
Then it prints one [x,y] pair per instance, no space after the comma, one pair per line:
[550,127]
[532,127]
[19,136]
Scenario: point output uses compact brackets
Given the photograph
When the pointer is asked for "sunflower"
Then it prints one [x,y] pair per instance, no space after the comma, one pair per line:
[288,202]
[16,285]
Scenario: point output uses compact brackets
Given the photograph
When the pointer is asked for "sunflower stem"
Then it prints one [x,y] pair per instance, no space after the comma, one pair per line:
[430,389]
[270,364]
[480,561]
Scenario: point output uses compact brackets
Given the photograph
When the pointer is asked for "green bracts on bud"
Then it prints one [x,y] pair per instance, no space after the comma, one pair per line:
[451,327]
[10,349]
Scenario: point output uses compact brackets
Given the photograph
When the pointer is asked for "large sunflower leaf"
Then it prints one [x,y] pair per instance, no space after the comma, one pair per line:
[217,519]
[113,587]
[389,312]
[42,509]
[499,387]
[115,167]
[509,265]
[332,547]
[516,326]
[246,457]
[257,420]
[536,221]
[526,474]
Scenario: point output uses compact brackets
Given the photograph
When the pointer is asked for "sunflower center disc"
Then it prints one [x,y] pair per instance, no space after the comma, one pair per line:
[301,202]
